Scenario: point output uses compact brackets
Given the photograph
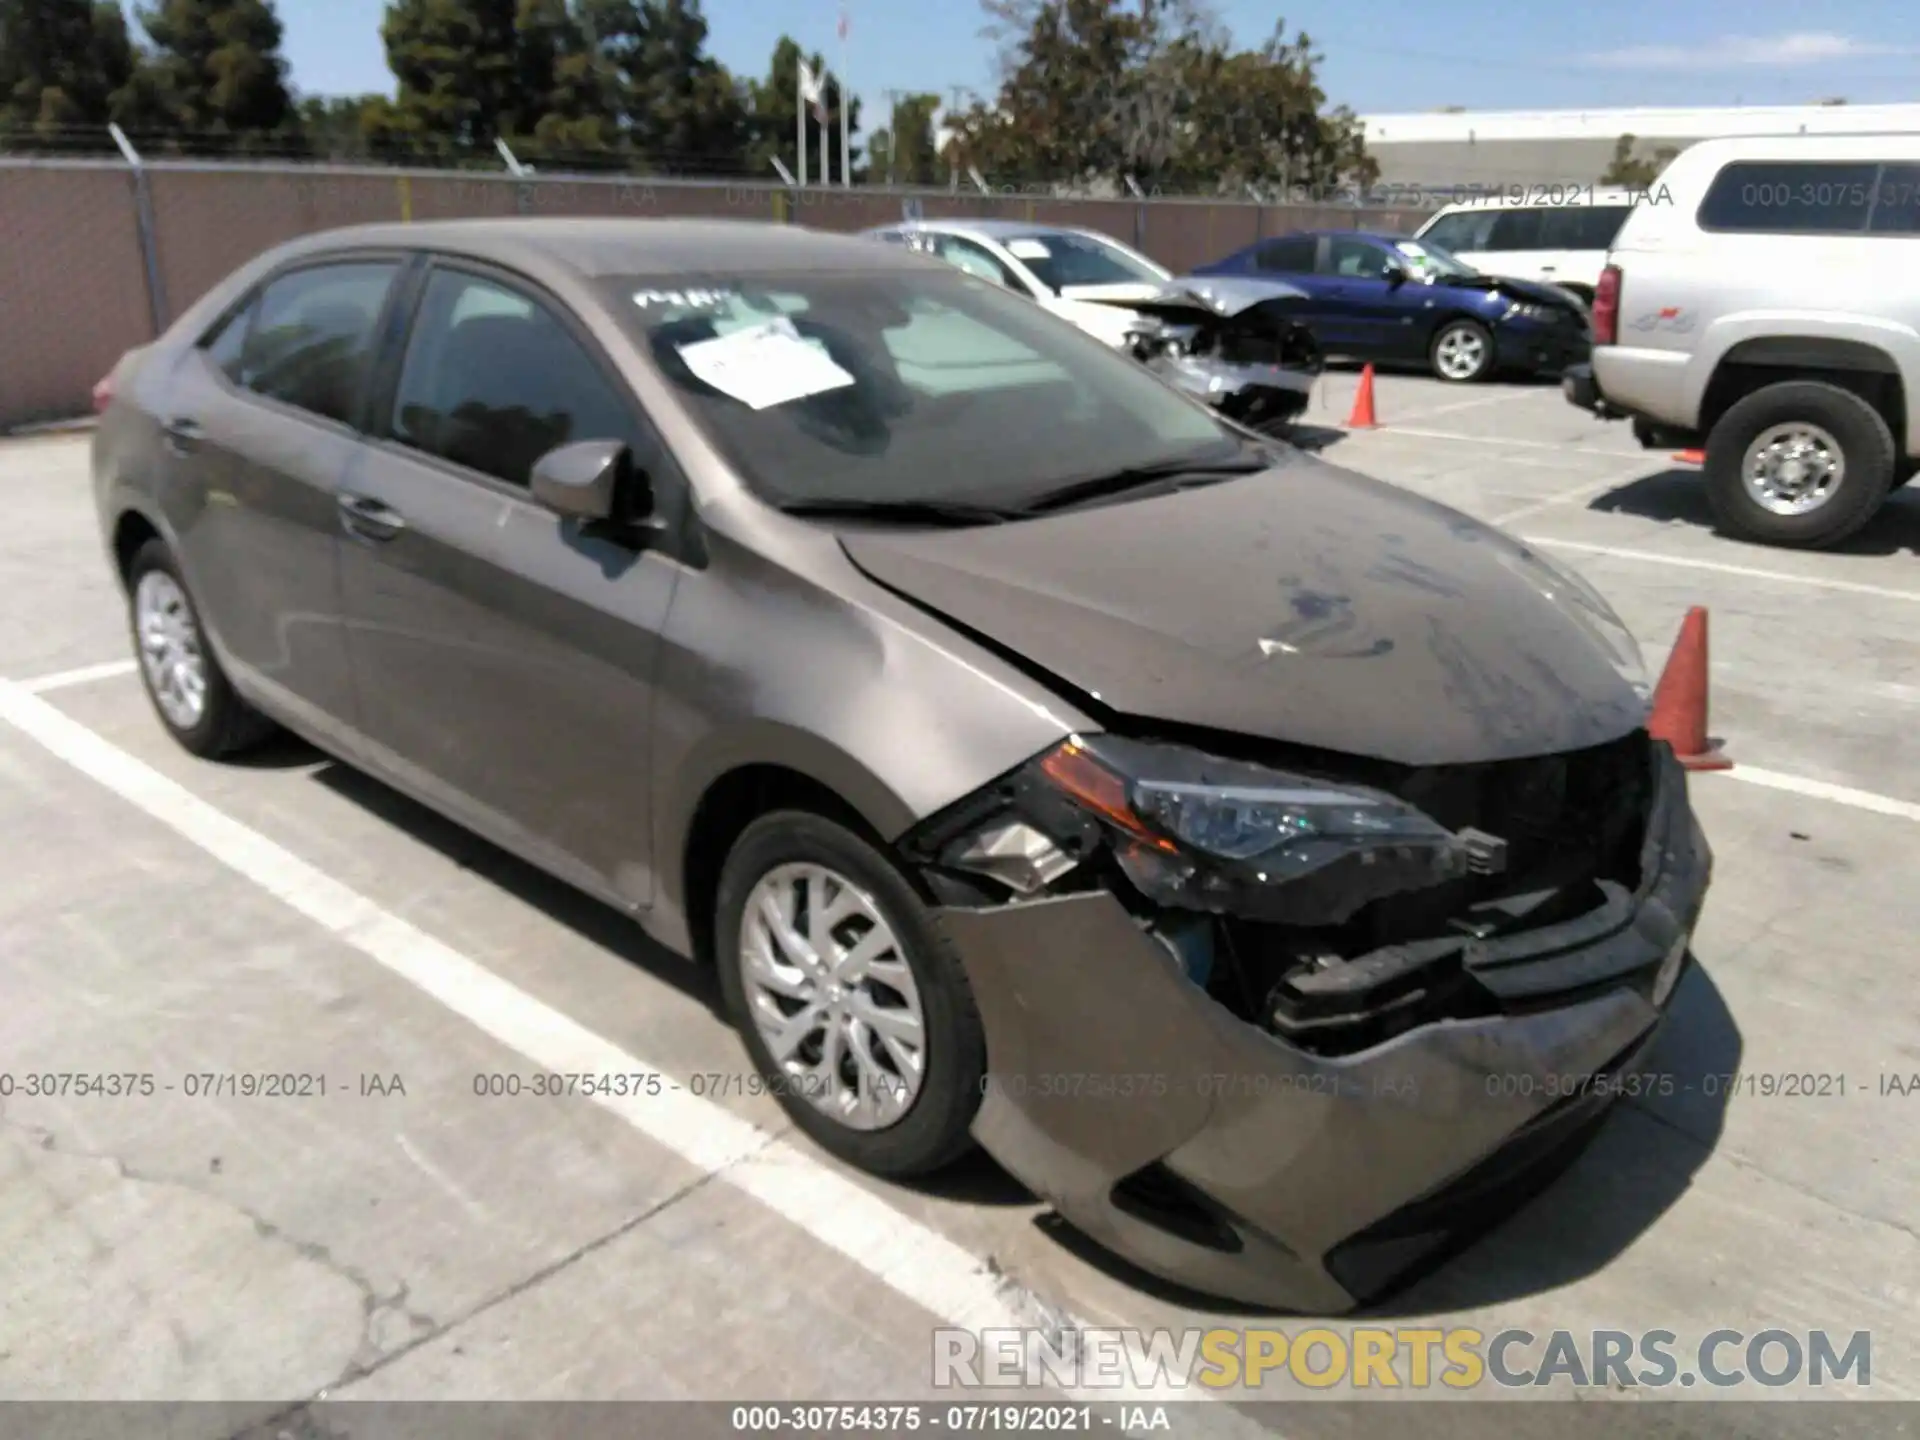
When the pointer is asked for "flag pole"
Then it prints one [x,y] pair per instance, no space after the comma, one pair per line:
[846,108]
[826,132]
[800,117]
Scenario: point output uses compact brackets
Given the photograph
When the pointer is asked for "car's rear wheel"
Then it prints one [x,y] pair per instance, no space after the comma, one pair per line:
[190,692]
[1462,352]
[1801,463]
[854,1009]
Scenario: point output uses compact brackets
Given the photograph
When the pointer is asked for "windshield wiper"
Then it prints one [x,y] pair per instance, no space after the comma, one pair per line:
[917,512]
[1133,477]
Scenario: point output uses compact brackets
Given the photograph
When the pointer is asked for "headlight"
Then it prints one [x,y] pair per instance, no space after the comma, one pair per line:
[1520,310]
[1204,832]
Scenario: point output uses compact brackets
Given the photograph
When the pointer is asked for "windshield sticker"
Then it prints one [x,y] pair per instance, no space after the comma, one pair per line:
[1029,250]
[766,365]
[696,299]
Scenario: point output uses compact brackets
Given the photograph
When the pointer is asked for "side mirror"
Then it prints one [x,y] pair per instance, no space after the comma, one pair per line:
[590,480]
[1394,273]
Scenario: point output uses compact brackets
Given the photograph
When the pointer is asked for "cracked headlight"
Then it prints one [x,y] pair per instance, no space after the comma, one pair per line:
[1205,832]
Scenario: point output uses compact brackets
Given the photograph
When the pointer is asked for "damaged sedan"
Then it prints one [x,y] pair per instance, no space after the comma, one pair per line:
[1271,869]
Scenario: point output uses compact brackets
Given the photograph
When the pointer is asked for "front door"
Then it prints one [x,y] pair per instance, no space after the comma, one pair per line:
[504,656]
[260,426]
[1363,308]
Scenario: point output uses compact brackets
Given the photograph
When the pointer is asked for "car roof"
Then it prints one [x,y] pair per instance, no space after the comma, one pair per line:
[593,247]
[994,228]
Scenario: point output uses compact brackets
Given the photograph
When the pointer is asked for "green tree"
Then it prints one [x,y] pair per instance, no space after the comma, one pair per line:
[1635,171]
[67,69]
[578,122]
[772,105]
[1099,91]
[461,75]
[218,76]
[683,108]
[905,153]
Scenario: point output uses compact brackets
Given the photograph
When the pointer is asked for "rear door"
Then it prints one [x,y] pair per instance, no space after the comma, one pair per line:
[505,657]
[261,423]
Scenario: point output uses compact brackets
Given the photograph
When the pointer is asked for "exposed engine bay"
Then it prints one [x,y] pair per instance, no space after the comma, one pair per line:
[1334,902]
[1238,345]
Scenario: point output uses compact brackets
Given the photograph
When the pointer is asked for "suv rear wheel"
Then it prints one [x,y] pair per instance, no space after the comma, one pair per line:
[1801,463]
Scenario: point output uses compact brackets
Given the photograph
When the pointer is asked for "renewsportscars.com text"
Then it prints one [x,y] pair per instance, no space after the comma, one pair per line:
[1377,1358]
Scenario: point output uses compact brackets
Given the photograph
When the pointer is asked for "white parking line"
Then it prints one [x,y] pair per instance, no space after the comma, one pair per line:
[1568,497]
[1718,567]
[1822,790]
[1475,404]
[1390,429]
[85,675]
[915,1260]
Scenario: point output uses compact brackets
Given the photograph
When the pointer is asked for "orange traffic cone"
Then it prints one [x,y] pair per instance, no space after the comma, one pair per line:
[1680,699]
[1362,416]
[1691,457]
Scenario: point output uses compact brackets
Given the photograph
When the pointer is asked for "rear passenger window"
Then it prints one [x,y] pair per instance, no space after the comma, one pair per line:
[1516,230]
[1465,232]
[225,347]
[1896,206]
[312,336]
[1790,198]
[1292,256]
[493,380]
[1600,226]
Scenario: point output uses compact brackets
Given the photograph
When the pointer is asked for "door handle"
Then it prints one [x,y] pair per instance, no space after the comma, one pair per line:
[370,519]
[182,435]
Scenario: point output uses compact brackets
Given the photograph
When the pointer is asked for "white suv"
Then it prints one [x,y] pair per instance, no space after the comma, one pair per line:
[1765,305]
[1555,234]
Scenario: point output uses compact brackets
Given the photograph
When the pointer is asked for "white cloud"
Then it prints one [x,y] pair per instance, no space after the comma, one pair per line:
[1807,47]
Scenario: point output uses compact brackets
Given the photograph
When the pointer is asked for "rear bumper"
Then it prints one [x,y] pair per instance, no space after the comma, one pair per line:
[1581,387]
[1542,350]
[1277,1177]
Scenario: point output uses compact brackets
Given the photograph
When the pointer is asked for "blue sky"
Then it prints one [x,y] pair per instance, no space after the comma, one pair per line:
[1387,55]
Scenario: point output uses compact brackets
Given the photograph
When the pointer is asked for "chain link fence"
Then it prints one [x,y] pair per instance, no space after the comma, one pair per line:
[100,255]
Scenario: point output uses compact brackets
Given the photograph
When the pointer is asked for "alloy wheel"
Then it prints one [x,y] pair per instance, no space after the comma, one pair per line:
[1793,469]
[832,996]
[1460,354]
[171,653]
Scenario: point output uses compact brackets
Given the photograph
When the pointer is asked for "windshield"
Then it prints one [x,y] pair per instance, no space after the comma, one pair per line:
[1429,261]
[898,387]
[1059,259]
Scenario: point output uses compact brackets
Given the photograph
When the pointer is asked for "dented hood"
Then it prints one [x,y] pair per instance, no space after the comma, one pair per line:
[1306,604]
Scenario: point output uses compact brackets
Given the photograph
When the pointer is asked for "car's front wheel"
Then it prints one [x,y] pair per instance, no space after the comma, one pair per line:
[855,1011]
[1462,352]
[1801,463]
[191,694]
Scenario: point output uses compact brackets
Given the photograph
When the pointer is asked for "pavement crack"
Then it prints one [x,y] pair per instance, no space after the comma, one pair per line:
[356,1370]
[376,1306]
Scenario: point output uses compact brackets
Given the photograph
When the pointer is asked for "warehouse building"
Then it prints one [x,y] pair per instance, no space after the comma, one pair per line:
[1575,147]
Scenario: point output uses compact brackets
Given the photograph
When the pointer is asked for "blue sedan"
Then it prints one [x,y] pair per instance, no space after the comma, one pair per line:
[1381,297]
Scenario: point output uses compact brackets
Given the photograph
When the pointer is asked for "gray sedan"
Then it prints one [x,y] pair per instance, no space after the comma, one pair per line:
[1245,852]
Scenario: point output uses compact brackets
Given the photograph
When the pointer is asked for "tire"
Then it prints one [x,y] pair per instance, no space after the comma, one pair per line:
[223,724]
[934,1128]
[1841,421]
[1461,332]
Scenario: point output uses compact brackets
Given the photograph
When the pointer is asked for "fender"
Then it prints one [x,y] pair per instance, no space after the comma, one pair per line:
[1900,343]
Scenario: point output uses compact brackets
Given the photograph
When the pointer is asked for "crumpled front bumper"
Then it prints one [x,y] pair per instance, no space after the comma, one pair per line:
[1326,1181]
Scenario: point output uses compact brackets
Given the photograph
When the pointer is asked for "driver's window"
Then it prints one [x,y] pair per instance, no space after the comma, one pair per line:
[1356,259]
